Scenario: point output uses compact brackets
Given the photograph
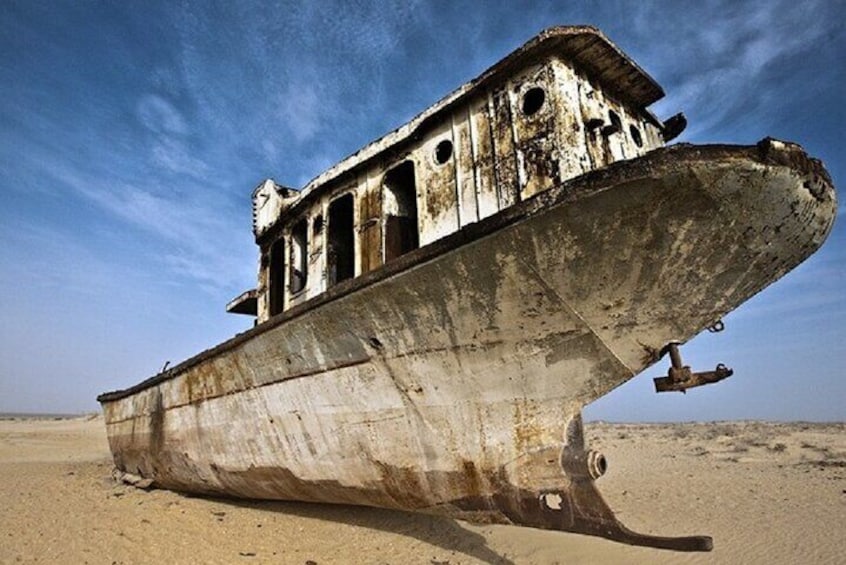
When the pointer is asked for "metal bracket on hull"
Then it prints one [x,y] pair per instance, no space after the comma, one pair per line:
[680,377]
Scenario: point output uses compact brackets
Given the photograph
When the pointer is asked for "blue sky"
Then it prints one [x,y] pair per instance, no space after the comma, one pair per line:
[131,136]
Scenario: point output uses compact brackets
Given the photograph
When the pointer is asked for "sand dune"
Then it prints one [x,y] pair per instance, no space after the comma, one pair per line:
[767,493]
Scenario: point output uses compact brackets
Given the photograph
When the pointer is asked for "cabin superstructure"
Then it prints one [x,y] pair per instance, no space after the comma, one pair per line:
[566,103]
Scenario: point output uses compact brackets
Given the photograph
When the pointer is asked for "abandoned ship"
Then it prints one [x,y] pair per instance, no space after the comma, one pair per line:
[433,312]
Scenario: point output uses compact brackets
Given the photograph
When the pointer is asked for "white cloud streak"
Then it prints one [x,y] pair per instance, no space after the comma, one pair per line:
[300,110]
[720,52]
[160,116]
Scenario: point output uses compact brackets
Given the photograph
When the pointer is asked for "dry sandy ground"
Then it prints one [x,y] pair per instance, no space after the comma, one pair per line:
[767,493]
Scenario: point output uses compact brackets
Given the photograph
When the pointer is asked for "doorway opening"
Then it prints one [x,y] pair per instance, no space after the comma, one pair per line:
[401,232]
[299,256]
[277,277]
[341,255]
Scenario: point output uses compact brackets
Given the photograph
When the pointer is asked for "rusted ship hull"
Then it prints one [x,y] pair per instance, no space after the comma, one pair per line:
[452,379]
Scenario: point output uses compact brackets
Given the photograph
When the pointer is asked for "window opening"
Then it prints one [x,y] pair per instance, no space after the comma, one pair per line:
[341,253]
[277,277]
[636,135]
[443,152]
[616,124]
[533,100]
[401,233]
[317,226]
[299,256]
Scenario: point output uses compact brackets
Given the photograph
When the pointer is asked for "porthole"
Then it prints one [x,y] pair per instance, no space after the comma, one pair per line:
[636,135]
[533,100]
[443,151]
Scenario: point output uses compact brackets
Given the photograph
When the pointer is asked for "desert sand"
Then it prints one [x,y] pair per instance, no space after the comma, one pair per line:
[767,493]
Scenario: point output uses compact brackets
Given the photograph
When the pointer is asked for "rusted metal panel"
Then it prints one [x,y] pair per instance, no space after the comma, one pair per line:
[502,135]
[439,213]
[483,158]
[613,132]
[269,201]
[573,158]
[653,136]
[370,223]
[617,141]
[295,293]
[465,178]
[594,118]
[263,286]
[534,114]
[317,253]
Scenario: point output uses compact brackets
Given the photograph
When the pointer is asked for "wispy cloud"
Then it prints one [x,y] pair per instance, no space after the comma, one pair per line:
[718,56]
[160,116]
[292,79]
[174,155]
[210,246]
[300,110]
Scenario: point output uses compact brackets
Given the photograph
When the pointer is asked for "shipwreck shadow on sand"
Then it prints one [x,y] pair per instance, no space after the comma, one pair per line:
[446,533]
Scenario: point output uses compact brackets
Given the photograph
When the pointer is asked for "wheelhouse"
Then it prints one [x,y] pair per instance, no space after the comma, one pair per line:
[565,104]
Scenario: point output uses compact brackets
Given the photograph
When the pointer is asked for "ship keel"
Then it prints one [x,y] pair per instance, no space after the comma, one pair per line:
[568,499]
